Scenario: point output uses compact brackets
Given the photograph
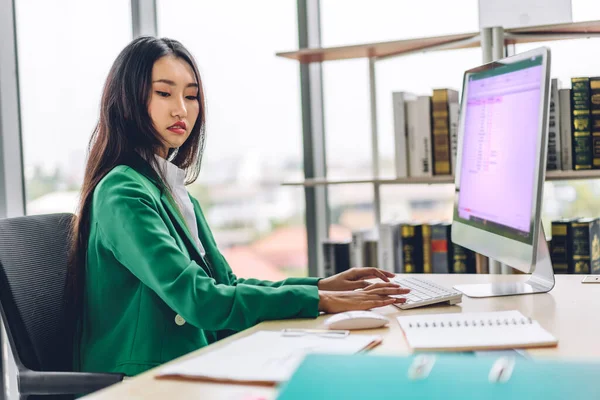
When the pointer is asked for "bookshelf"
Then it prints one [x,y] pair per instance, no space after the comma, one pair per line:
[442,179]
[494,43]
[382,50]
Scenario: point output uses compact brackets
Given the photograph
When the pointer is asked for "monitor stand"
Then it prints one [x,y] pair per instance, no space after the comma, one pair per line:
[541,279]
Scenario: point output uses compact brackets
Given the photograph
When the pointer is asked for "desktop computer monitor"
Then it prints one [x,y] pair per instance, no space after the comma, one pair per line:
[500,169]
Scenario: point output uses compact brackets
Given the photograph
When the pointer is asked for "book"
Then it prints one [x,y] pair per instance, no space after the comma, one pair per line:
[371,252]
[399,100]
[412,248]
[561,245]
[564,122]
[357,252]
[581,124]
[553,160]
[583,231]
[427,251]
[481,264]
[454,110]
[449,257]
[440,130]
[474,331]
[419,137]
[595,247]
[389,246]
[441,258]
[595,120]
[463,260]
[336,256]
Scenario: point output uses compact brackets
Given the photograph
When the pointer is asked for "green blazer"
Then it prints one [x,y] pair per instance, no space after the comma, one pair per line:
[149,295]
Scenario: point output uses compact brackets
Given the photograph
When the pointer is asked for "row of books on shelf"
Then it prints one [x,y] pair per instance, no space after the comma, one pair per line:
[402,247]
[425,133]
[574,125]
[575,246]
[426,129]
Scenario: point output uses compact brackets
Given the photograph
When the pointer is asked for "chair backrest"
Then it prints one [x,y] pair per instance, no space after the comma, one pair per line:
[33,271]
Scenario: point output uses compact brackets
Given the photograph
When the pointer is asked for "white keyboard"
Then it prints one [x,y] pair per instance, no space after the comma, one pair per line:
[424,292]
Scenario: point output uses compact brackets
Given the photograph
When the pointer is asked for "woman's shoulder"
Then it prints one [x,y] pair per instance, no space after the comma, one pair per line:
[120,173]
[124,179]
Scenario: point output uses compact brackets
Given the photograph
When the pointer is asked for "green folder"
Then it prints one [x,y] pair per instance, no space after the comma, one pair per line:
[445,376]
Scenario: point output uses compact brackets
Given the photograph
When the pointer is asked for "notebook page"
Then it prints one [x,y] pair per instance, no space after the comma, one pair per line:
[264,356]
[474,331]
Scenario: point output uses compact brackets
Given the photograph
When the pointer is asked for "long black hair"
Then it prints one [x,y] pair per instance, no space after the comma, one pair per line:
[125,130]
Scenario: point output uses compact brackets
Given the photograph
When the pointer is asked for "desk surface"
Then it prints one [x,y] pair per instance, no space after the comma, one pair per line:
[569,311]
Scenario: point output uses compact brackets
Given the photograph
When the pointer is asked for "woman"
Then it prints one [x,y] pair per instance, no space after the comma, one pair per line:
[147,281]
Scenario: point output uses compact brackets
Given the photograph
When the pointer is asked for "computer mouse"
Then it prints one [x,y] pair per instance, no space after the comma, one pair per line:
[356,320]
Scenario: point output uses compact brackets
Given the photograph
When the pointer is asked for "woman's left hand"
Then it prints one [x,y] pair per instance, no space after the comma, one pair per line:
[354,278]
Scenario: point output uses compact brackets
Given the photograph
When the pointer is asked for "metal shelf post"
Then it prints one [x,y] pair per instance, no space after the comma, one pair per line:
[374,140]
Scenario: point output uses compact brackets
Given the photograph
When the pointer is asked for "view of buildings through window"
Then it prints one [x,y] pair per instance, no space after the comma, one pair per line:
[254,122]
[254,132]
[65,50]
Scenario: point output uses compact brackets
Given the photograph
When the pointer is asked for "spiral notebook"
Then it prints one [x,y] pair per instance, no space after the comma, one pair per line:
[474,331]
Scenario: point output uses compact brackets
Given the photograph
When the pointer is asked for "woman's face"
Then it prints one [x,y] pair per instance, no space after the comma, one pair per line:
[174,104]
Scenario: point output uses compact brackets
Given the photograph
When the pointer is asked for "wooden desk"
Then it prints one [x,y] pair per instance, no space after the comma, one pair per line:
[570,312]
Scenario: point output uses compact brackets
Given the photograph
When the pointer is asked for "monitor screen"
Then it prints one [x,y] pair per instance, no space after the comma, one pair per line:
[501,126]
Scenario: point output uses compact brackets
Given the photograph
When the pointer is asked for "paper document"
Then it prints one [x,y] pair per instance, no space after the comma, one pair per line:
[265,357]
[474,331]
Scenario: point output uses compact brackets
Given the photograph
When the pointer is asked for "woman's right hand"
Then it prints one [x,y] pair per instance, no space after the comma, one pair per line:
[375,295]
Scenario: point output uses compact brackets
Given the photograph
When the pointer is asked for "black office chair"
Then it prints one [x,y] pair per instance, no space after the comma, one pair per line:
[33,269]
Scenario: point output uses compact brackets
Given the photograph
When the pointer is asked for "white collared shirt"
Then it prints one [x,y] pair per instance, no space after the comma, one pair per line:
[175,177]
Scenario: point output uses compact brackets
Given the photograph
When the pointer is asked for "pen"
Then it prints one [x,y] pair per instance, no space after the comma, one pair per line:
[320,332]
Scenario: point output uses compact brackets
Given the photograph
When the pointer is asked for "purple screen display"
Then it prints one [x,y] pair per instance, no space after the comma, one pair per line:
[500,148]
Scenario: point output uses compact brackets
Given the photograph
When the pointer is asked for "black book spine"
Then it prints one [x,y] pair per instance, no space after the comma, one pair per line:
[580,259]
[560,246]
[471,262]
[328,259]
[336,257]
[412,248]
[399,253]
[463,260]
[342,257]
[595,120]
[581,124]
[595,247]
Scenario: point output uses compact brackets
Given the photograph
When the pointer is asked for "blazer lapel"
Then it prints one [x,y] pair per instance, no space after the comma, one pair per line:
[183,231]
[203,229]
[140,165]
[213,255]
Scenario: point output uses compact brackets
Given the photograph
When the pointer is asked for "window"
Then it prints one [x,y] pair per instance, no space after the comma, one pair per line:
[61,75]
[347,109]
[347,104]
[254,139]
[351,209]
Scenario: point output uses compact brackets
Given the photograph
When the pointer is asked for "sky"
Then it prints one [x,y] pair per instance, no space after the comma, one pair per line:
[66,48]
